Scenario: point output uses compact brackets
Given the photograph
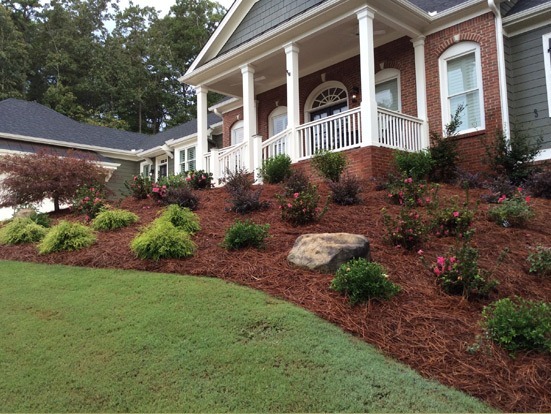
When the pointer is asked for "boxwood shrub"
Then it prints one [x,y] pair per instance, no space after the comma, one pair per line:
[67,236]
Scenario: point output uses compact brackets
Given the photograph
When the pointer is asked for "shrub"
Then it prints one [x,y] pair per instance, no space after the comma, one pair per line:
[301,208]
[297,182]
[410,193]
[89,200]
[345,192]
[199,180]
[512,212]
[540,261]
[66,236]
[499,187]
[467,179]
[452,221]
[276,169]
[113,219]
[243,198]
[539,184]
[139,187]
[182,218]
[443,150]
[22,230]
[181,196]
[42,219]
[407,230]
[245,234]
[458,273]
[361,280]
[416,165]
[518,324]
[513,158]
[162,240]
[329,165]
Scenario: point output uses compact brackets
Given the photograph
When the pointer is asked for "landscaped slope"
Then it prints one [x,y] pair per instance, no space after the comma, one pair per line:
[436,334]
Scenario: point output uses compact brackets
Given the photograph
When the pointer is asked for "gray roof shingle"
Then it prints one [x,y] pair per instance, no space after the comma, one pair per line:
[524,5]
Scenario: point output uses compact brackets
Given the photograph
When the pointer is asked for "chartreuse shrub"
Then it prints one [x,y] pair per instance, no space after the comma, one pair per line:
[67,236]
[22,230]
[361,280]
[329,164]
[161,239]
[540,261]
[518,324]
[245,234]
[276,169]
[113,219]
[182,218]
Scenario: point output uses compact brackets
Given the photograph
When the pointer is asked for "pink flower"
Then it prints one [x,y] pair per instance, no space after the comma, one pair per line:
[453,259]
[456,213]
[135,178]
[440,261]
[296,195]
[289,205]
[188,178]
[420,252]
[437,271]
[86,198]
[164,186]
[519,189]
[502,198]
[155,189]
[92,189]
[527,199]
[408,180]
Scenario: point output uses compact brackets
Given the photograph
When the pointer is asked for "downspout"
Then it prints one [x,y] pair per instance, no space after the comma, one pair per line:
[502,78]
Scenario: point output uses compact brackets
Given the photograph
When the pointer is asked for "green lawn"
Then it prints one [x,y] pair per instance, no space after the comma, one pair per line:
[81,340]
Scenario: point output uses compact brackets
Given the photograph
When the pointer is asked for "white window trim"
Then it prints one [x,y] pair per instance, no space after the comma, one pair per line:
[456,51]
[319,89]
[151,167]
[280,110]
[547,65]
[389,74]
[177,163]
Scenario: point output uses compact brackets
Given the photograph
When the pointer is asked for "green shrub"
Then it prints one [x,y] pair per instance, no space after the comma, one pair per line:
[182,218]
[162,240]
[361,280]
[329,164]
[67,236]
[245,234]
[22,230]
[297,182]
[345,192]
[139,187]
[301,208]
[276,169]
[415,165]
[518,324]
[42,219]
[459,274]
[512,212]
[514,157]
[113,219]
[443,150]
[540,261]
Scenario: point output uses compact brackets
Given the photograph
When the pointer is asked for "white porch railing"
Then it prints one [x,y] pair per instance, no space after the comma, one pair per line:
[229,159]
[276,145]
[400,131]
[334,133]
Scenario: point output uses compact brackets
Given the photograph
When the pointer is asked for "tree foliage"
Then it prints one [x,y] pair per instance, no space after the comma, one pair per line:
[97,63]
[32,178]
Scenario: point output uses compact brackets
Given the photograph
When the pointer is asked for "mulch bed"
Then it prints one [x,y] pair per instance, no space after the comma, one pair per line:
[423,327]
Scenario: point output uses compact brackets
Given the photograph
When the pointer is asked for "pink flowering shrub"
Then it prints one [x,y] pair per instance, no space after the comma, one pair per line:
[513,211]
[199,180]
[410,193]
[407,230]
[458,273]
[452,221]
[301,207]
[139,187]
[89,201]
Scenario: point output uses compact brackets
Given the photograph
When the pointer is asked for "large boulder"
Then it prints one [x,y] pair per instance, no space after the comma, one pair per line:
[326,252]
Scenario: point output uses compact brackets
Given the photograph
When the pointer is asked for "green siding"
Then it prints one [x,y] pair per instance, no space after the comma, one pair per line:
[126,171]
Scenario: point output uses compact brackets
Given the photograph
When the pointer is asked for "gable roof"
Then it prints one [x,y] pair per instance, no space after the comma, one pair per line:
[524,5]
[31,119]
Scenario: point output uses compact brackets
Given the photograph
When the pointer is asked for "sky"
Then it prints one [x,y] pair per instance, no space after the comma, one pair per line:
[164,5]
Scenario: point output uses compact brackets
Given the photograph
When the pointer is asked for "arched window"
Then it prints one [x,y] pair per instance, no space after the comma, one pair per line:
[277,121]
[387,89]
[327,99]
[461,86]
[237,132]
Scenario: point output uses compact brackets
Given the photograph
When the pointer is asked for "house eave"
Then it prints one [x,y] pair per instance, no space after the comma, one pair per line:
[527,20]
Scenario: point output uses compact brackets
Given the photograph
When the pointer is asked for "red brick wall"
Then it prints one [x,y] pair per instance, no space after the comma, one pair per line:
[230,118]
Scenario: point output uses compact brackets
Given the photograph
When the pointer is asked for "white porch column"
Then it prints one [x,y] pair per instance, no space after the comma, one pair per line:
[293,105]
[249,116]
[367,71]
[421,88]
[202,127]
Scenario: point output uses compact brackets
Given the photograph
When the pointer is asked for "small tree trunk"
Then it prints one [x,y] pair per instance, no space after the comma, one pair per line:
[56,203]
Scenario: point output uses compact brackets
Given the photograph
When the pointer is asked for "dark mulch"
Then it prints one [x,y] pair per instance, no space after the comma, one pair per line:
[422,327]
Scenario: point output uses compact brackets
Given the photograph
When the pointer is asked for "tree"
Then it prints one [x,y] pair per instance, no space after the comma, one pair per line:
[32,178]
[14,59]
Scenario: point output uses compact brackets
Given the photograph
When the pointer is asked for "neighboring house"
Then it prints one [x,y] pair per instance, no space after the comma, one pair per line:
[370,76]
[27,127]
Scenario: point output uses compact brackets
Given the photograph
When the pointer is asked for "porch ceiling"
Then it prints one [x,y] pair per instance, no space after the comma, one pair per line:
[318,50]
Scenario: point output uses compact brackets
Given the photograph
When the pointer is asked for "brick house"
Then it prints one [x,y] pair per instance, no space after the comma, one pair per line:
[370,76]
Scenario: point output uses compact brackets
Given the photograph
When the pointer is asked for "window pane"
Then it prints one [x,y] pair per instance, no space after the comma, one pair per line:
[191,166]
[461,74]
[470,116]
[387,94]
[182,157]
[191,154]
[279,123]
[237,135]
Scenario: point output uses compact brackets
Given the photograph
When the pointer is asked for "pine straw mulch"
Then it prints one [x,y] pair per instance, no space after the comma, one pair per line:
[422,327]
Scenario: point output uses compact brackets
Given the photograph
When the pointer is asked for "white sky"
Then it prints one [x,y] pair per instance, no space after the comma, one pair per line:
[164,5]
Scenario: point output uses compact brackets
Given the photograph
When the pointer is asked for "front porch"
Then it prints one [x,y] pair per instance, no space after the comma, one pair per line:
[338,132]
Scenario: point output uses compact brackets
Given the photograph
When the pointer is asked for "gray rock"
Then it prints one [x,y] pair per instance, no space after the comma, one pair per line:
[24,213]
[326,252]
